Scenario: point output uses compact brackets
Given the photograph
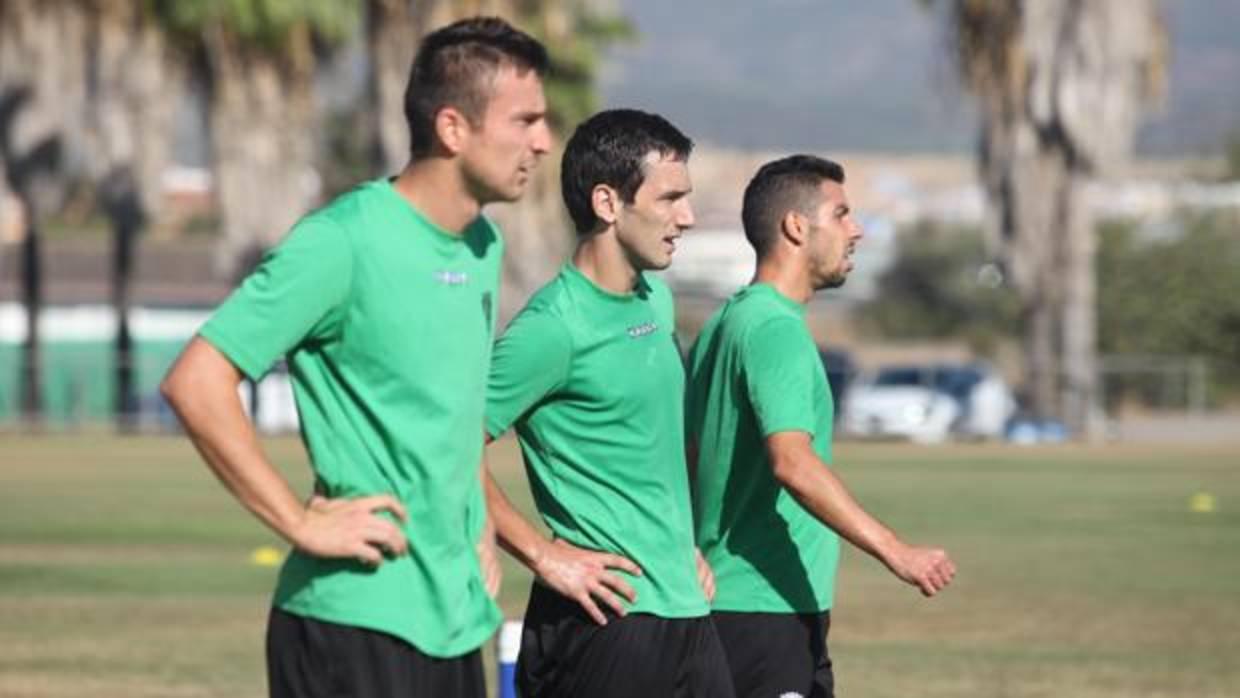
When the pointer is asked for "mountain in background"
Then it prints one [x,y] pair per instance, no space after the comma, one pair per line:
[874,75]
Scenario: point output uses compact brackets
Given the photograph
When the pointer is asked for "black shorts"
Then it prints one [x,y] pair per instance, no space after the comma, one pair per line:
[564,654]
[308,658]
[777,654]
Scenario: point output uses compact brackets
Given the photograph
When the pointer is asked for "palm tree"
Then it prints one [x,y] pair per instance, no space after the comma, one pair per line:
[257,60]
[1061,84]
[42,91]
[134,82]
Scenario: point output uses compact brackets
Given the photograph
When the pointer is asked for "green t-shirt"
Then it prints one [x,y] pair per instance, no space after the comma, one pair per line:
[753,372]
[594,384]
[386,321]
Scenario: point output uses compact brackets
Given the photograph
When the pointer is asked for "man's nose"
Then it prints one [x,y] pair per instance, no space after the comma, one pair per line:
[686,218]
[542,140]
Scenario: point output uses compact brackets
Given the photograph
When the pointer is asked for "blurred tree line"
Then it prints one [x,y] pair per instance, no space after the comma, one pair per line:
[89,88]
[1171,293]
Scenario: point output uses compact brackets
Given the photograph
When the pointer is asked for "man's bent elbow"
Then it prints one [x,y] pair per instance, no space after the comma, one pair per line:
[170,386]
[787,471]
[198,366]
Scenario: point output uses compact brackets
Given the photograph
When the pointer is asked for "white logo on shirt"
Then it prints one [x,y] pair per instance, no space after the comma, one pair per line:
[451,278]
[642,330]
[791,694]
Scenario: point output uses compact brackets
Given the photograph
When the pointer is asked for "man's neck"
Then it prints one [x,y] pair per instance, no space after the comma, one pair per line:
[437,190]
[602,260]
[787,276]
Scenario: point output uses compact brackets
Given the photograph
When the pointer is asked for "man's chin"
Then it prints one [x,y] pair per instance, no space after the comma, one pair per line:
[834,282]
[660,264]
[503,195]
[510,195]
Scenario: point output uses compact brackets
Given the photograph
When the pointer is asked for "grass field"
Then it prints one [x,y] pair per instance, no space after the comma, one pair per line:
[124,571]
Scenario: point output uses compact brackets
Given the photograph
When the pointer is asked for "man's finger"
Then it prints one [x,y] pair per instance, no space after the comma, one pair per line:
[387,535]
[591,608]
[622,563]
[619,585]
[944,578]
[368,555]
[708,586]
[383,502]
[706,576]
[603,593]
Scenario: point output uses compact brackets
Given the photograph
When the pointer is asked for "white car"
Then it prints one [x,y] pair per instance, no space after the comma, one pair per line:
[929,404]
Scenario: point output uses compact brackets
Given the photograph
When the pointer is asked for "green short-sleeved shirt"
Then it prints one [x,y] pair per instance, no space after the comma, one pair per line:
[387,322]
[755,371]
[594,383]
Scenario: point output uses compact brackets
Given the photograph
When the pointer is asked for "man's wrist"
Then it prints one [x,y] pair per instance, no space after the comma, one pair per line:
[292,525]
[888,548]
[536,555]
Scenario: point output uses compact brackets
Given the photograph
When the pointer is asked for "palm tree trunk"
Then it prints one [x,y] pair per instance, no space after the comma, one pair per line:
[126,402]
[394,28]
[41,85]
[133,97]
[1062,83]
[262,136]
[1078,313]
[32,300]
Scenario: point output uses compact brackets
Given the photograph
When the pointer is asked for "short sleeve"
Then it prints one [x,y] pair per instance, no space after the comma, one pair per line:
[530,361]
[296,294]
[779,370]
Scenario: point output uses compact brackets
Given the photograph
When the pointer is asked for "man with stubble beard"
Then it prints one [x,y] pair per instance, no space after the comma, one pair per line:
[769,511]
[383,303]
[589,376]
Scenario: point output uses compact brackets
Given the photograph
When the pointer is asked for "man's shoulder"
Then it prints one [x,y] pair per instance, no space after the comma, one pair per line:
[350,202]
[552,297]
[547,307]
[747,311]
[344,213]
[752,324]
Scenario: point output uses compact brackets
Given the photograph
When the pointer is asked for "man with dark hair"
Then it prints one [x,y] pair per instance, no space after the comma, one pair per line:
[383,304]
[590,376]
[768,509]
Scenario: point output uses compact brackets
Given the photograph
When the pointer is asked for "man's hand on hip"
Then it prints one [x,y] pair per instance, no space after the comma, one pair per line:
[585,576]
[351,528]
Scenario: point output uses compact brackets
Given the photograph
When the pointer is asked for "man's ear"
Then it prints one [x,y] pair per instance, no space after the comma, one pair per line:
[606,203]
[795,227]
[452,129]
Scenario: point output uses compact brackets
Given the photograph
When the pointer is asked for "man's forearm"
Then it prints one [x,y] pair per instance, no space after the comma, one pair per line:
[824,495]
[203,393]
[516,535]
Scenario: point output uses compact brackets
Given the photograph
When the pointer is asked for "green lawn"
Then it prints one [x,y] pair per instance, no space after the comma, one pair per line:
[124,571]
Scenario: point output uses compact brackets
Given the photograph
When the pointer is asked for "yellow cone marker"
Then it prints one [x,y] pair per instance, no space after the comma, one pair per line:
[1202,503]
[266,556]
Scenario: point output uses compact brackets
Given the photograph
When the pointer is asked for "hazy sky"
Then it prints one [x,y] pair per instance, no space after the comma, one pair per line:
[872,75]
